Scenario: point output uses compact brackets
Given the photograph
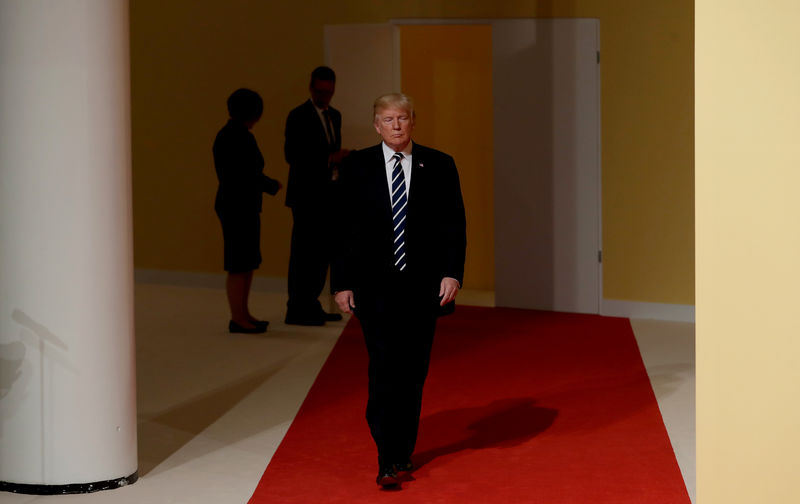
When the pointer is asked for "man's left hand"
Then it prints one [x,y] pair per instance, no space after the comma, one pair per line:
[338,156]
[448,290]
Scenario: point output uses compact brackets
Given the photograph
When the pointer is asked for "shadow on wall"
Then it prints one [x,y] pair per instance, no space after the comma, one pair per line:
[12,358]
[16,369]
[12,355]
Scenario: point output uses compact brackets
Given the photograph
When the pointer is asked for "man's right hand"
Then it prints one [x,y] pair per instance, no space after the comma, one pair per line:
[344,299]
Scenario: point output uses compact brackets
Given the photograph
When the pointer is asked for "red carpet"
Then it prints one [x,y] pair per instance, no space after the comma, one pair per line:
[520,406]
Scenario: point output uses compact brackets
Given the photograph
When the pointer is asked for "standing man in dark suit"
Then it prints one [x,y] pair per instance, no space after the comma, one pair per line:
[313,149]
[399,266]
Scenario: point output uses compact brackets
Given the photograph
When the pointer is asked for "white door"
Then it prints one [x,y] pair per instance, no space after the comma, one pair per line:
[546,147]
[362,56]
[547,164]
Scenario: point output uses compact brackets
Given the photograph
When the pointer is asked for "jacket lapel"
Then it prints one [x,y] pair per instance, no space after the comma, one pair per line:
[418,184]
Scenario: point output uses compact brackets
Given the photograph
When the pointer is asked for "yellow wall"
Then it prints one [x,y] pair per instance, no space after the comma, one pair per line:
[748,251]
[448,72]
[187,56]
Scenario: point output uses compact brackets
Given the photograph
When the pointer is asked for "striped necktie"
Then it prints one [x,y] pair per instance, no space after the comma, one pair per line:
[399,209]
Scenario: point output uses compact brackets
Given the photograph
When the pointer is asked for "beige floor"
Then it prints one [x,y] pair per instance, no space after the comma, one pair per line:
[213,407]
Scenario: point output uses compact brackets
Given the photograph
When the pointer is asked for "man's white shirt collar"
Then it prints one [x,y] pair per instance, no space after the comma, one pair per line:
[388,152]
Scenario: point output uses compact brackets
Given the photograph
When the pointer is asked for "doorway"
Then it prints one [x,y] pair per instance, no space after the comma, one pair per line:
[517,104]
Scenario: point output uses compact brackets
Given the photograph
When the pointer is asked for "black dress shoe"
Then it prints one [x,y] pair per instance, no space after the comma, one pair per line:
[331,317]
[405,466]
[233,327]
[387,477]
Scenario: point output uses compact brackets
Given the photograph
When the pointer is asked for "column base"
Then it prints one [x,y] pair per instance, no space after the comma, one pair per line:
[75,488]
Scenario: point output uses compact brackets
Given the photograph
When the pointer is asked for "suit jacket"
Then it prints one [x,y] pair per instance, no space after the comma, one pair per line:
[306,149]
[240,171]
[435,229]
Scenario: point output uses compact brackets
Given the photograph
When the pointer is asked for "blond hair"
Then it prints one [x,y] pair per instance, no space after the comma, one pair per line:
[394,100]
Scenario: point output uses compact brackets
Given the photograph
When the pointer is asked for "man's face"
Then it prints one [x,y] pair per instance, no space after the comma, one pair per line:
[395,126]
[322,92]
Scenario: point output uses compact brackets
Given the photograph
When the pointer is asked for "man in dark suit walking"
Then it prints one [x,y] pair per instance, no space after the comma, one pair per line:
[313,150]
[398,267]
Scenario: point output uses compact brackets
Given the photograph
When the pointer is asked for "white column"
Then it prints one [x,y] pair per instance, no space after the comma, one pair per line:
[67,371]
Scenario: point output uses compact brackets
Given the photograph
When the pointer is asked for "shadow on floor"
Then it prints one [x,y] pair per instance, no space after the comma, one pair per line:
[501,424]
[163,434]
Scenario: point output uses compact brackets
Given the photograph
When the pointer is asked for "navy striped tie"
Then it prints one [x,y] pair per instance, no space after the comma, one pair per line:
[399,209]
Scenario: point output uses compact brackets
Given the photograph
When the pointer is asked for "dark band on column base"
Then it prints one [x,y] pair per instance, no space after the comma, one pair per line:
[74,488]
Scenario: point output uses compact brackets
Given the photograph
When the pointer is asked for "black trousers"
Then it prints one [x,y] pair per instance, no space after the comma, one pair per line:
[309,258]
[399,340]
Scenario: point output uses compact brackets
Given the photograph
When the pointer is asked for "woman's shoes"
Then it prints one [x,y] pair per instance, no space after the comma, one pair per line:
[260,327]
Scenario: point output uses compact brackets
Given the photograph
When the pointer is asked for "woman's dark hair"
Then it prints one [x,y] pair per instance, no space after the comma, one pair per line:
[245,105]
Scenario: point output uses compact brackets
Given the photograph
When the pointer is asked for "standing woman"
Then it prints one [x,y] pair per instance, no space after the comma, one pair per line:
[240,171]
